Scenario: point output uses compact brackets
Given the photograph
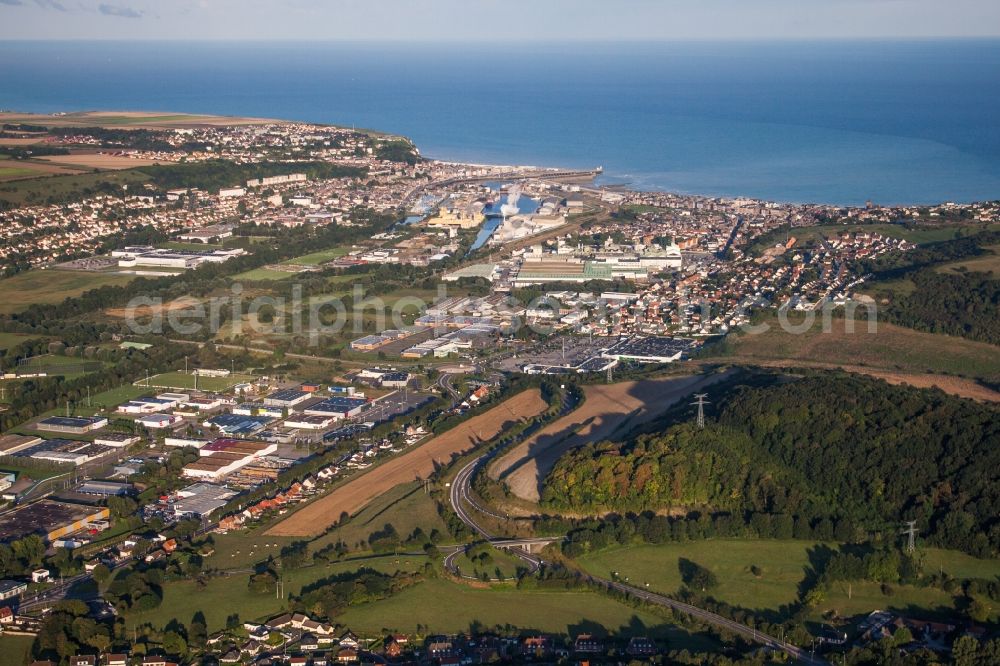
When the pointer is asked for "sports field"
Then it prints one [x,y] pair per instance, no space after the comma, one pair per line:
[607,409]
[418,463]
[316,258]
[262,274]
[182,380]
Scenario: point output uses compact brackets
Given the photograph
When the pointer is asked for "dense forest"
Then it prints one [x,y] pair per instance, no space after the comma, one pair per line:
[966,305]
[826,447]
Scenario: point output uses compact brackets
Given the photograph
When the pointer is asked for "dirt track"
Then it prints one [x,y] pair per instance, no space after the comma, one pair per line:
[418,463]
[606,409]
[959,386]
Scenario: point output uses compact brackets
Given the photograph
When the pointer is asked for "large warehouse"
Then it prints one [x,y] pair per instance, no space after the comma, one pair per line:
[49,518]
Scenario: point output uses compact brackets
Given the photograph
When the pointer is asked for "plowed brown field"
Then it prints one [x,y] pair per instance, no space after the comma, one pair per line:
[419,463]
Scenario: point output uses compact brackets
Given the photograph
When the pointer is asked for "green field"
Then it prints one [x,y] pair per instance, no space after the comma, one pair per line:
[448,607]
[262,274]
[59,187]
[405,507]
[225,595]
[987,263]
[441,604]
[8,340]
[114,397]
[180,380]
[53,364]
[178,245]
[782,565]
[16,172]
[891,348]
[958,564]
[317,258]
[51,286]
[861,598]
[15,650]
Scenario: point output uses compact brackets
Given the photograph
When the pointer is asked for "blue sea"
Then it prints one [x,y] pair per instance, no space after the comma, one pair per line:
[833,122]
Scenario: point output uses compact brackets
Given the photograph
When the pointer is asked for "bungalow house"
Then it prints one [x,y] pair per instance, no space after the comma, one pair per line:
[349,640]
[320,659]
[114,660]
[308,642]
[231,657]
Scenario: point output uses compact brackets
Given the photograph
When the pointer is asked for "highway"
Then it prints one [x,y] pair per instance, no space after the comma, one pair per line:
[460,496]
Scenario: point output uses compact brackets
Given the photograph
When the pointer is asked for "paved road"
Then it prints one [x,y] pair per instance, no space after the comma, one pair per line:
[444,382]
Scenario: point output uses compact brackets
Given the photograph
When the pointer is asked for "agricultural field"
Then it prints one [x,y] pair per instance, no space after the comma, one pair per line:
[606,410]
[126,118]
[47,286]
[98,161]
[418,463]
[891,353]
[11,173]
[181,381]
[405,507]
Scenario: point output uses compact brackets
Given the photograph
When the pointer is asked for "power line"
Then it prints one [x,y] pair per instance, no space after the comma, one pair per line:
[911,535]
[701,402]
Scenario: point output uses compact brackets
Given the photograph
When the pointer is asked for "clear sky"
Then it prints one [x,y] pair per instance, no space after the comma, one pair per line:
[492,20]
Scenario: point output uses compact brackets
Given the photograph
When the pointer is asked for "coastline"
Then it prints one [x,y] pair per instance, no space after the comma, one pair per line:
[166,120]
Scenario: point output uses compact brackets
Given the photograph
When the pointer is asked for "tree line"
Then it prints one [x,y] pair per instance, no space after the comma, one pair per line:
[820,450]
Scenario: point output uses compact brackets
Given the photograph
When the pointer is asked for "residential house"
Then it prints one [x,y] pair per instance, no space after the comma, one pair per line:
[640,646]
[347,656]
[588,644]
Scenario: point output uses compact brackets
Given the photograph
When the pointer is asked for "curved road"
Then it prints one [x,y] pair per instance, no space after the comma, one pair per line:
[460,495]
